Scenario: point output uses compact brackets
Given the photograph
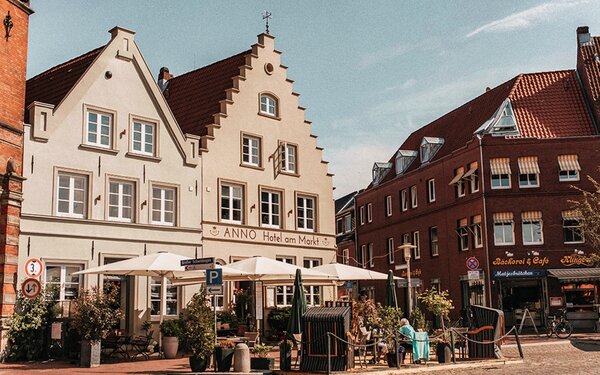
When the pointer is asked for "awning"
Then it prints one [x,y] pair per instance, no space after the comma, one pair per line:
[460,172]
[571,215]
[503,217]
[576,274]
[531,215]
[500,166]
[568,163]
[529,165]
[472,170]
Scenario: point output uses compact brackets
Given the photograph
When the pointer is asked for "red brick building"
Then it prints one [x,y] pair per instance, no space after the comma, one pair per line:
[345,239]
[489,184]
[13,64]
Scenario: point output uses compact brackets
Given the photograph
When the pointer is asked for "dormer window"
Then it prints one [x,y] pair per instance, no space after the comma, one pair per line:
[404,158]
[429,147]
[503,122]
[268,105]
[380,170]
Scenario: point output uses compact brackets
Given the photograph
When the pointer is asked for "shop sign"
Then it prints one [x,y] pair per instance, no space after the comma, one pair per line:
[556,301]
[413,273]
[528,261]
[505,274]
[578,260]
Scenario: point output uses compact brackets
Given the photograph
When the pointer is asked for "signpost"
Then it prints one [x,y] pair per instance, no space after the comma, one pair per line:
[33,267]
[31,288]
[214,286]
[198,264]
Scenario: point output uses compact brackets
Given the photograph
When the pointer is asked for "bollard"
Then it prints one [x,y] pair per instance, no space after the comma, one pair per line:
[241,358]
[452,345]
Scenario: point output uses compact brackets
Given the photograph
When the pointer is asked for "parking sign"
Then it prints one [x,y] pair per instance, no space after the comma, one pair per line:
[214,276]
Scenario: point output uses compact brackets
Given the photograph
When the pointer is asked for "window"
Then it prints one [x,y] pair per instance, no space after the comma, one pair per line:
[284,293]
[346,256]
[339,226]
[313,293]
[429,147]
[268,105]
[413,196]
[99,129]
[72,195]
[270,208]
[417,247]
[363,256]
[388,205]
[404,159]
[529,172]
[458,182]
[472,177]
[406,238]
[433,241]
[390,250]
[572,232]
[60,276]
[500,173]
[431,190]
[171,294]
[163,205]
[369,213]
[348,223]
[251,150]
[569,168]
[305,213]
[361,212]
[232,203]
[476,229]
[532,228]
[463,234]
[404,199]
[371,256]
[503,229]
[121,201]
[379,171]
[143,138]
[287,157]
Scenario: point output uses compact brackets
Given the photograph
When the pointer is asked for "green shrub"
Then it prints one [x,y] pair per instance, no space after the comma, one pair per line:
[278,318]
[95,315]
[28,330]
[198,337]
[171,328]
[417,319]
[228,317]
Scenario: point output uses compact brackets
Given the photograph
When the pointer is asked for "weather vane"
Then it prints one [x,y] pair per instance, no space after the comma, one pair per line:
[266,16]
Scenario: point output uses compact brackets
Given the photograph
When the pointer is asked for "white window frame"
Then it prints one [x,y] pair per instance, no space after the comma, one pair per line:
[404,199]
[477,231]
[431,190]
[339,226]
[71,192]
[414,200]
[251,150]
[568,175]
[142,142]
[371,255]
[288,157]
[503,241]
[363,256]
[474,179]
[99,127]
[461,189]
[391,250]
[417,245]
[271,207]
[162,202]
[230,199]
[462,231]
[528,229]
[62,282]
[499,178]
[286,291]
[433,242]
[306,217]
[268,105]
[346,256]
[574,229]
[530,182]
[120,196]
[313,292]
[348,223]
[167,289]
[388,205]
[369,212]
[361,211]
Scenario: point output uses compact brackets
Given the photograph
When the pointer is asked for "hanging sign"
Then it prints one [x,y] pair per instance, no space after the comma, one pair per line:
[33,267]
[472,263]
[31,288]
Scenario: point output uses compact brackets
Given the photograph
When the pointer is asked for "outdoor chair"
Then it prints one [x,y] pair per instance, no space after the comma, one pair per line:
[251,338]
[140,345]
[460,341]
[116,344]
[420,347]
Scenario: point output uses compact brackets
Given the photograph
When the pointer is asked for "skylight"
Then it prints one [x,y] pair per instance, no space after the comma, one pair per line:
[503,122]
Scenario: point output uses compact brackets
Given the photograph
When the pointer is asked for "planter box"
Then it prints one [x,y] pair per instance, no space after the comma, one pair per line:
[224,358]
[262,363]
[198,364]
[443,352]
[90,353]
[170,346]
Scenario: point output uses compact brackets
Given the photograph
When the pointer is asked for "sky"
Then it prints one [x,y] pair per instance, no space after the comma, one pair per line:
[369,73]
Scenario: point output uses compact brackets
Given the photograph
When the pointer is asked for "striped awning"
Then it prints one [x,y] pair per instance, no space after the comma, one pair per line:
[529,165]
[576,274]
[568,163]
[503,217]
[460,172]
[500,166]
[571,215]
[472,169]
[531,215]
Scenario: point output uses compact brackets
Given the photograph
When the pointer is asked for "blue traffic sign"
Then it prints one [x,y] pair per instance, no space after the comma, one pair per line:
[214,276]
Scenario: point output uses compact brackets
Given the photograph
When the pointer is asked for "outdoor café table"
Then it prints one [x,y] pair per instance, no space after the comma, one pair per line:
[118,343]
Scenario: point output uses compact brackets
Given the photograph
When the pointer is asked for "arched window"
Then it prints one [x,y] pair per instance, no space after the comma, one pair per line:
[268,105]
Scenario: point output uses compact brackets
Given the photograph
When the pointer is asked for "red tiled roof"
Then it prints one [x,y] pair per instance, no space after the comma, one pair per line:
[551,105]
[194,96]
[52,85]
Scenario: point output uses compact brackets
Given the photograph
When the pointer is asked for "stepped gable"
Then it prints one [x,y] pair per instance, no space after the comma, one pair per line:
[195,97]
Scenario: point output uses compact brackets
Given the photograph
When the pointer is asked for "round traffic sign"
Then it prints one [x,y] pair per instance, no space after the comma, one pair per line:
[31,288]
[472,263]
[33,267]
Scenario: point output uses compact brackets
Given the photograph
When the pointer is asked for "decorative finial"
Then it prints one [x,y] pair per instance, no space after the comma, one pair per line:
[266,16]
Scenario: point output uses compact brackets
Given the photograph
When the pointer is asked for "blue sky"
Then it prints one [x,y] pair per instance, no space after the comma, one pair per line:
[369,73]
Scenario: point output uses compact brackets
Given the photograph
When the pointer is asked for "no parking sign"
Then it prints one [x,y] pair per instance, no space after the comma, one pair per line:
[472,263]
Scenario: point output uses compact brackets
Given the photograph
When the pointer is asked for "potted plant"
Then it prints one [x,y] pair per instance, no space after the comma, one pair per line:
[285,355]
[439,304]
[94,316]
[198,336]
[261,361]
[170,329]
[146,327]
[224,355]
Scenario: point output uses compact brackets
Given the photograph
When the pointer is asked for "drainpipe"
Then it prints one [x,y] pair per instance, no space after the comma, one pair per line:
[486,240]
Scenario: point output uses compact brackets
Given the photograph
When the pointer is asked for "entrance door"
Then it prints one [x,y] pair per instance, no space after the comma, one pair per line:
[124,285]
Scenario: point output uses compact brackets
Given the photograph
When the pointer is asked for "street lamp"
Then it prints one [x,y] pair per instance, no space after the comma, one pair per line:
[407,252]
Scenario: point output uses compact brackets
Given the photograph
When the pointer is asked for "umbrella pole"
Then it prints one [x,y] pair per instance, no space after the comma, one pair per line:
[163,305]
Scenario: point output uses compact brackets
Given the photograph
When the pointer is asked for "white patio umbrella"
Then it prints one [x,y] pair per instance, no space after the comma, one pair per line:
[346,272]
[271,270]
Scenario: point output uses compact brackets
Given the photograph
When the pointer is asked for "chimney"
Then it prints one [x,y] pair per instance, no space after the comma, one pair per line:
[163,78]
[583,36]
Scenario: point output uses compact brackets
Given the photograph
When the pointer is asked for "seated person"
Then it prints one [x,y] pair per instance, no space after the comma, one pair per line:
[407,333]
